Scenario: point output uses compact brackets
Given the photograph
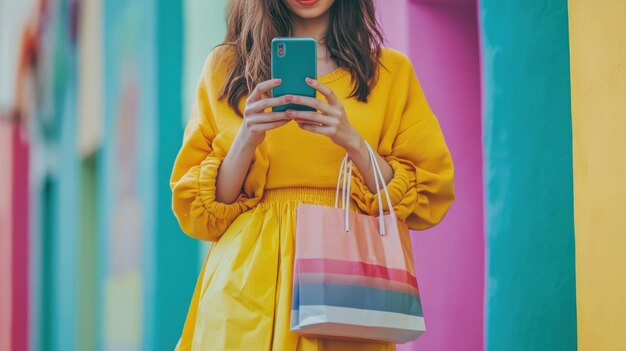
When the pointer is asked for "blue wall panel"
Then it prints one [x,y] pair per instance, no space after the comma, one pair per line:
[176,253]
[530,283]
[65,170]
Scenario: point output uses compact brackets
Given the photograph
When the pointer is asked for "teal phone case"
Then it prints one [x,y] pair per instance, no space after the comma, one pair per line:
[297,62]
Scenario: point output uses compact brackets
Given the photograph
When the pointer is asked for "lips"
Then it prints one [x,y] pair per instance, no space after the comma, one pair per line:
[307,2]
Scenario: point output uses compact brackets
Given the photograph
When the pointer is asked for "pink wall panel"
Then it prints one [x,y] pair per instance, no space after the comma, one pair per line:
[395,21]
[6,160]
[442,41]
[20,247]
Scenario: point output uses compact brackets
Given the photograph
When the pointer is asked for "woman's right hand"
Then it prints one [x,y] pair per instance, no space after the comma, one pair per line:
[256,122]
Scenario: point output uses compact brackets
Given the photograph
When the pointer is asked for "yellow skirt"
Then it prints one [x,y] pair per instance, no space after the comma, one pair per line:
[242,300]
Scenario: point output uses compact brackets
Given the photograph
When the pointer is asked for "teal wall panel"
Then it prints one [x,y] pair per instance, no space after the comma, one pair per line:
[530,283]
[65,169]
[176,254]
[86,330]
[47,303]
[146,177]
[66,254]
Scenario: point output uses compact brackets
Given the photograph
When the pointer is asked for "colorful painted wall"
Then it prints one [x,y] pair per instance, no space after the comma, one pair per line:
[94,247]
[94,96]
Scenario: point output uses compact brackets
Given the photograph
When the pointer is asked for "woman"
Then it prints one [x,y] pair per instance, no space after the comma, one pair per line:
[242,171]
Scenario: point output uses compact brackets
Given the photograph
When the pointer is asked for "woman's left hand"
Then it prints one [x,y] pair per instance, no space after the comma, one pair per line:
[329,119]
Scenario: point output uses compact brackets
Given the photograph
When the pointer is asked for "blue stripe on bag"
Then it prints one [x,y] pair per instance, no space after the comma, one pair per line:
[353,296]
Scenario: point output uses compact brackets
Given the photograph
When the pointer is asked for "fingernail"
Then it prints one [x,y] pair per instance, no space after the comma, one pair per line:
[309,80]
[289,112]
[278,81]
[288,98]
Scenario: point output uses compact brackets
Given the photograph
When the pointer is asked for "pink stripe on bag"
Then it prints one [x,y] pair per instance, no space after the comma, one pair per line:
[316,265]
[357,280]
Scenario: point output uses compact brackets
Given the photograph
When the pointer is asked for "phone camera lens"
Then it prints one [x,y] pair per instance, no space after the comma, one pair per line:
[281,49]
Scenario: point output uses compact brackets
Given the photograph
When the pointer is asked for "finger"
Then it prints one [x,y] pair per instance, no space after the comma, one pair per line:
[323,130]
[316,104]
[312,117]
[262,104]
[264,127]
[267,118]
[328,93]
[262,89]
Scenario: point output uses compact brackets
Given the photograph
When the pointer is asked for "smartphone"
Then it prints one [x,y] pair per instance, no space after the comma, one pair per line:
[293,60]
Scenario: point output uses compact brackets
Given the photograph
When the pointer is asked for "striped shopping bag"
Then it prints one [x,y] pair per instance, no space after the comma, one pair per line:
[354,276]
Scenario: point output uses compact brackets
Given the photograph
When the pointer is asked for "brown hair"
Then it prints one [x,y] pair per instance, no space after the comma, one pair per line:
[353,40]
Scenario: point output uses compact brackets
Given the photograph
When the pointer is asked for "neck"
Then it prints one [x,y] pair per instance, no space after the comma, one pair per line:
[311,27]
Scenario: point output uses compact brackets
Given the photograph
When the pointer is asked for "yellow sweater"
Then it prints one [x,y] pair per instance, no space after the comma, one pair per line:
[397,121]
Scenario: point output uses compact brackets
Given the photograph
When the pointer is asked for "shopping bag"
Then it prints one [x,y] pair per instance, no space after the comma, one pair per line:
[354,276]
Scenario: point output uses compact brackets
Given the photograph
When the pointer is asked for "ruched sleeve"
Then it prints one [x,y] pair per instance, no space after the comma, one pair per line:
[422,188]
[196,167]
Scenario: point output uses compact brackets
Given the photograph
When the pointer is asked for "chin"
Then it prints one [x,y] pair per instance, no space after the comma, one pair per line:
[309,9]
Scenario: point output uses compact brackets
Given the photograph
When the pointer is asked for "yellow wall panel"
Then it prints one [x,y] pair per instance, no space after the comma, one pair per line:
[598,74]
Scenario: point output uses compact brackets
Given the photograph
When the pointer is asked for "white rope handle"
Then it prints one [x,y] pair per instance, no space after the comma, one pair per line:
[341,175]
[344,179]
[345,175]
[382,179]
[346,202]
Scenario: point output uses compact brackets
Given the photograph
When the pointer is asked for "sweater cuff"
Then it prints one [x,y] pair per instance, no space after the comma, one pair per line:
[207,179]
[402,190]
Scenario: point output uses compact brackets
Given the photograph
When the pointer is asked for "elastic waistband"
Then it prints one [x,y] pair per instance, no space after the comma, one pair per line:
[305,195]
